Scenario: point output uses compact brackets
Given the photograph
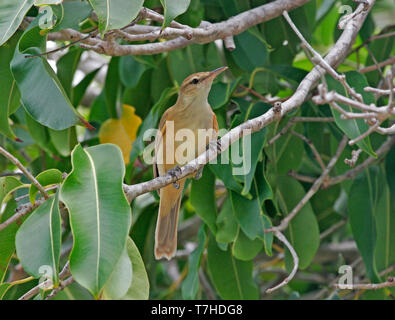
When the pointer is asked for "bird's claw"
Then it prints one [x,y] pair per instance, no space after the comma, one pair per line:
[198,174]
[174,172]
[216,144]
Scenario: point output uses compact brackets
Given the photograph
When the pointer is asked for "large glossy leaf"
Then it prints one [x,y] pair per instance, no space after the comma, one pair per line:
[42,229]
[231,277]
[302,232]
[244,248]
[251,51]
[9,100]
[385,224]
[12,13]
[115,14]
[130,71]
[42,94]
[227,225]
[64,141]
[173,8]
[7,239]
[355,127]
[66,67]
[99,213]
[120,280]
[363,205]
[204,188]
[190,285]
[40,134]
[139,289]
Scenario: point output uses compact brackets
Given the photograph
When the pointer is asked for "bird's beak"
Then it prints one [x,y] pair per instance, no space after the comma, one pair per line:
[213,74]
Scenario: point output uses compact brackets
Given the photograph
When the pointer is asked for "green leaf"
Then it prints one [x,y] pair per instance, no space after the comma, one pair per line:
[73,292]
[45,178]
[112,89]
[385,225]
[173,8]
[80,89]
[139,289]
[227,225]
[115,14]
[302,232]
[120,280]
[12,13]
[190,285]
[247,213]
[66,67]
[287,151]
[381,50]
[4,287]
[244,248]
[74,12]
[7,239]
[204,188]
[251,51]
[38,241]
[99,213]
[7,186]
[39,133]
[363,203]
[64,141]
[9,100]
[355,127]
[130,71]
[231,277]
[221,93]
[224,171]
[42,94]
[251,146]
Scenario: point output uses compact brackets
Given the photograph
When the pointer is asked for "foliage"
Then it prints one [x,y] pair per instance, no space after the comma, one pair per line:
[45,107]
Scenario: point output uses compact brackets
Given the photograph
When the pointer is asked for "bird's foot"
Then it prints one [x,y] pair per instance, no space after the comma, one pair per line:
[216,145]
[174,173]
[198,174]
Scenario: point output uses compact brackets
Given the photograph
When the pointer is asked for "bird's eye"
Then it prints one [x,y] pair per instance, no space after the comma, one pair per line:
[195,81]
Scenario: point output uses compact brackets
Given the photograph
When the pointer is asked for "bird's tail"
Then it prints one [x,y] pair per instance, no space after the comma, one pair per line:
[166,226]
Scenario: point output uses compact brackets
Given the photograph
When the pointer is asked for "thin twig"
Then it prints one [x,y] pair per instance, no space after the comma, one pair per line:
[295,258]
[32,292]
[312,147]
[368,286]
[314,188]
[321,61]
[28,175]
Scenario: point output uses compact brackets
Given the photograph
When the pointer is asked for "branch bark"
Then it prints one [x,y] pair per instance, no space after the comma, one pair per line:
[204,34]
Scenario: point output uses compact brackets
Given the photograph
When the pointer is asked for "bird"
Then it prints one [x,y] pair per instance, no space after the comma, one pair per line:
[192,118]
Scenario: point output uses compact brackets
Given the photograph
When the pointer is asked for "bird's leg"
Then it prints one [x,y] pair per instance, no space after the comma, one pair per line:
[214,144]
[198,174]
[174,172]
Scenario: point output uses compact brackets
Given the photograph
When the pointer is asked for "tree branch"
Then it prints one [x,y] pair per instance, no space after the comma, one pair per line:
[335,56]
[204,34]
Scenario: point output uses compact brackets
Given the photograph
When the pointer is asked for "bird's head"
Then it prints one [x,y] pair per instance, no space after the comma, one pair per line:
[199,84]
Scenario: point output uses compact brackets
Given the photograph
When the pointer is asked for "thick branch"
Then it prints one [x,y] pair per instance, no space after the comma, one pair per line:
[210,32]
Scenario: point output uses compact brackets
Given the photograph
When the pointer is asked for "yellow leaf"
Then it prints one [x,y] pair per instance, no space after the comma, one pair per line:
[121,132]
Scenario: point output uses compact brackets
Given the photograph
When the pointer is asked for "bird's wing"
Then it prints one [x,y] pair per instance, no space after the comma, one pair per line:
[215,123]
[158,139]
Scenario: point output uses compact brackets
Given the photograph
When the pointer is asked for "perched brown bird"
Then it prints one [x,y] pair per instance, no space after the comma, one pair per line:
[185,131]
